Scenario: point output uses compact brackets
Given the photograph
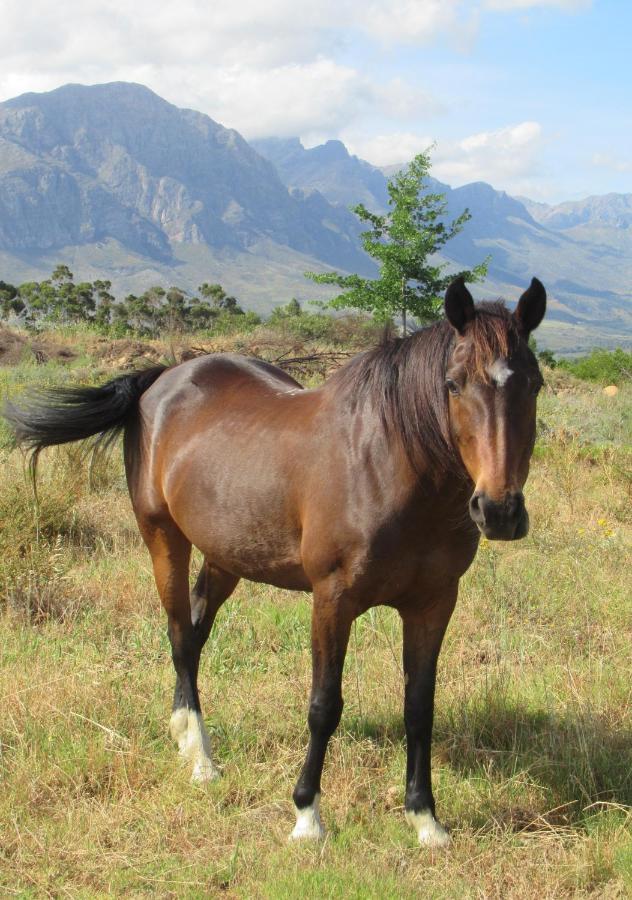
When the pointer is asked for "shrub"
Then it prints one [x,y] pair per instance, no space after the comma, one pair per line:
[37,535]
[603,366]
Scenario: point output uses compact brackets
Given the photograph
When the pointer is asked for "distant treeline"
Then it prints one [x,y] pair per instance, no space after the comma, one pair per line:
[59,300]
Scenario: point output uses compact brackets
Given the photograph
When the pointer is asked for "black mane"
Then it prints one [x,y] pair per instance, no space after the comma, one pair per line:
[404,380]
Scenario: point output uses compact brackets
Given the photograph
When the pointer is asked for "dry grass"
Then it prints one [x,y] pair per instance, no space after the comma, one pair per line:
[532,757]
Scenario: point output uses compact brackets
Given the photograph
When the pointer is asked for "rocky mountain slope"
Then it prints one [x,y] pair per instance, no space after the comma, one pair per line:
[82,166]
[119,184]
[329,169]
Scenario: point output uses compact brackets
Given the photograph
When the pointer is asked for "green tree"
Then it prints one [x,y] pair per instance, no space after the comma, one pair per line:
[292,310]
[104,303]
[10,302]
[174,313]
[404,242]
[200,314]
[39,298]
[218,298]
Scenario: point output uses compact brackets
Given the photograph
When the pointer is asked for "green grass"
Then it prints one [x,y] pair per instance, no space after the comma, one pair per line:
[532,751]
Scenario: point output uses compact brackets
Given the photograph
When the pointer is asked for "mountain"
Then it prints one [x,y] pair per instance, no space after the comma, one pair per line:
[582,251]
[117,183]
[329,169]
[611,212]
[115,168]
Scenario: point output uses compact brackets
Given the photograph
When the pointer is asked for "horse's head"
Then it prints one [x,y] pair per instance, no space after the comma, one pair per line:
[492,380]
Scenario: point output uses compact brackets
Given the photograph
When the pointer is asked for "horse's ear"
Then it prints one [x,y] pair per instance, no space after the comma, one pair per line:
[531,308]
[459,304]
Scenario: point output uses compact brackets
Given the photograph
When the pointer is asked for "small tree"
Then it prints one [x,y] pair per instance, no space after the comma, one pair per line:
[10,302]
[404,242]
[174,313]
[39,298]
[104,303]
[291,310]
[219,299]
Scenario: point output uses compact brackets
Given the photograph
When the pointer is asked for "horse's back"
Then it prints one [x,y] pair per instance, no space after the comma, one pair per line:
[214,374]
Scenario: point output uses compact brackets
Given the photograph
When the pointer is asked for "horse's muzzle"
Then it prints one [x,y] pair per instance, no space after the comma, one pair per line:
[500,520]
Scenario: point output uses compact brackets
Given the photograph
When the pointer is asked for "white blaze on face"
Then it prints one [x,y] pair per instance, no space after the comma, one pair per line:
[308,825]
[429,832]
[188,729]
[499,372]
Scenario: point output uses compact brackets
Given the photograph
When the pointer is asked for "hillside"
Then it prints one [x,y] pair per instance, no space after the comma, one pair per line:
[582,251]
[119,184]
[123,182]
[329,169]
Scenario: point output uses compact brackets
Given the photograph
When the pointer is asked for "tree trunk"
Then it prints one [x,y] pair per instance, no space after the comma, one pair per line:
[404,306]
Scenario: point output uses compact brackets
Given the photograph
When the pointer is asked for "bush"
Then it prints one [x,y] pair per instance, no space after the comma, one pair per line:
[227,323]
[603,366]
[292,321]
[35,536]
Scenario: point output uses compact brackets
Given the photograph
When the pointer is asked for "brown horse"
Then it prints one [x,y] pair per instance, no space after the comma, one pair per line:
[372,489]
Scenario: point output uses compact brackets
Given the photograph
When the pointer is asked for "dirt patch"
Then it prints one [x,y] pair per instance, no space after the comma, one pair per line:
[128,354]
[16,348]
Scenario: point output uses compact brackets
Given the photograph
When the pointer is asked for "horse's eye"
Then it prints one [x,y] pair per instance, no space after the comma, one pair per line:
[452,386]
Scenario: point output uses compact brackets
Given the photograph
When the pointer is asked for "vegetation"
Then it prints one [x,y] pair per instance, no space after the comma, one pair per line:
[156,311]
[604,366]
[404,242]
[532,754]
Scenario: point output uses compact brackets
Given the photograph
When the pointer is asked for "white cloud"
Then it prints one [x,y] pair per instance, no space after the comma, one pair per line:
[387,149]
[91,34]
[609,161]
[261,68]
[414,21]
[507,158]
[508,5]
[288,100]
[398,100]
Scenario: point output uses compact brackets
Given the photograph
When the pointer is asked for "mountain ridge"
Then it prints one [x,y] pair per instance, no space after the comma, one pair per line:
[117,161]
[516,235]
[120,184]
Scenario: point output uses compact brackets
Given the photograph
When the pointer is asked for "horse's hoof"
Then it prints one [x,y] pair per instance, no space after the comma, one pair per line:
[308,825]
[204,771]
[307,833]
[430,833]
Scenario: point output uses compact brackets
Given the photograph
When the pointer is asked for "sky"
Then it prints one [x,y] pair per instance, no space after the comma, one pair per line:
[532,96]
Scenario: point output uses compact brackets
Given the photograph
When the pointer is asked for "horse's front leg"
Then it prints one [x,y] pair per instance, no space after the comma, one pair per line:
[331,624]
[424,627]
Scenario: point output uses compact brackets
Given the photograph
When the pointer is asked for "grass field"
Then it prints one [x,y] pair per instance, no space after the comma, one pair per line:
[532,750]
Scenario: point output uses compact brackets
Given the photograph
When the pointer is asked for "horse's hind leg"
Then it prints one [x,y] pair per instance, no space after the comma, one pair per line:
[212,588]
[170,553]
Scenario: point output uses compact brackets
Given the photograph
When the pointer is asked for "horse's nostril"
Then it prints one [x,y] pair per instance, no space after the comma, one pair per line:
[476,507]
[516,504]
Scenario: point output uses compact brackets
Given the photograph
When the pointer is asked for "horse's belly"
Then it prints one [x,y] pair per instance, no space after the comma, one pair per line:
[257,552]
[247,533]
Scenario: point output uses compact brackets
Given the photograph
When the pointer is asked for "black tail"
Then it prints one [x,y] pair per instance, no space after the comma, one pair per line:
[61,415]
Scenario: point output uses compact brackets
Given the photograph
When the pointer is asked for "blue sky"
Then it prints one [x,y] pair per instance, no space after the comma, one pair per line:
[530,95]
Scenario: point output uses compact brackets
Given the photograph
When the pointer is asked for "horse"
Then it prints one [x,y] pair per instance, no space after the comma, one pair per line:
[372,489]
